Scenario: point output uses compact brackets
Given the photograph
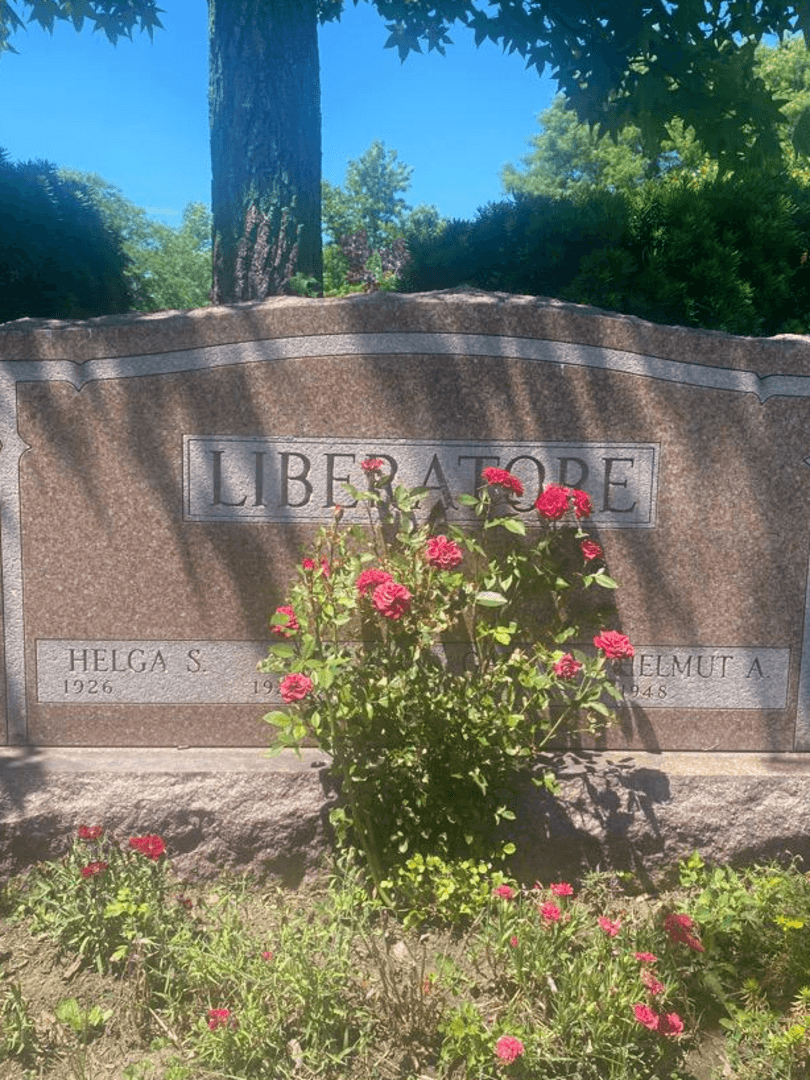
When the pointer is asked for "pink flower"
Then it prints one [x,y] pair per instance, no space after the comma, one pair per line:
[678,927]
[501,478]
[508,1048]
[582,503]
[615,645]
[218,1018]
[646,1016]
[295,687]
[267,955]
[550,912]
[513,941]
[90,832]
[591,550]
[553,503]
[567,667]
[93,868]
[372,464]
[391,599]
[562,888]
[370,579]
[288,624]
[310,565]
[646,958]
[653,985]
[444,553]
[150,846]
[505,892]
[670,1024]
[610,927]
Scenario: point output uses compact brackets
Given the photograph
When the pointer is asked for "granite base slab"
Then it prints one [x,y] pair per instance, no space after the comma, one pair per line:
[238,809]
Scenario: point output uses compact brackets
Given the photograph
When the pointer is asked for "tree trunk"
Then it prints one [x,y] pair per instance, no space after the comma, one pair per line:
[265,104]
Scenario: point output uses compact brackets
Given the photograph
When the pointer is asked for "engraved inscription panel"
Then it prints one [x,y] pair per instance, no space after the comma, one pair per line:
[233,478]
[675,677]
[152,672]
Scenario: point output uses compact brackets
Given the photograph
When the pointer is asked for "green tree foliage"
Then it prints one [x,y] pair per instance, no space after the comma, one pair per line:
[370,200]
[168,268]
[630,63]
[58,256]
[569,158]
[728,253]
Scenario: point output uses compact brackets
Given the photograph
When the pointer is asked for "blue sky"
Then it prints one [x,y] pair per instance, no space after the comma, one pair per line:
[138,113]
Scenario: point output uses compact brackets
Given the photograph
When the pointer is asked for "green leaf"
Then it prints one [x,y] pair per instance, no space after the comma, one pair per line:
[467,500]
[490,599]
[280,719]
[605,581]
[514,526]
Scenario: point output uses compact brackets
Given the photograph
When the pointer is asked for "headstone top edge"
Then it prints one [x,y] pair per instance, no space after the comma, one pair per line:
[444,311]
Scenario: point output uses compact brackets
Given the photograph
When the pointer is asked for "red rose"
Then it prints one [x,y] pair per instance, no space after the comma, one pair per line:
[288,624]
[444,553]
[582,503]
[90,832]
[150,846]
[370,579]
[615,645]
[93,868]
[295,687]
[553,503]
[591,550]
[567,667]
[391,599]
[501,478]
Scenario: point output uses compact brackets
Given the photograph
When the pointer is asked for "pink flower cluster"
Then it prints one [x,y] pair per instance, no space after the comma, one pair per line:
[221,1018]
[664,1023]
[310,566]
[508,1049]
[443,553]
[501,478]
[504,892]
[90,832]
[150,846]
[372,465]
[679,928]
[610,926]
[93,868]
[555,501]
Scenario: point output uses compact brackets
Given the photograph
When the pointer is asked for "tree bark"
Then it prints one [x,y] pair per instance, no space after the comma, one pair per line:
[265,112]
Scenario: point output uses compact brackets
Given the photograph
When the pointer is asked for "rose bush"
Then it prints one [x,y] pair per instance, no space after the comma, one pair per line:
[434,664]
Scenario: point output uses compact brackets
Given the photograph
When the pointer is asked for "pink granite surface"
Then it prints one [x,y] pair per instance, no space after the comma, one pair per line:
[108,556]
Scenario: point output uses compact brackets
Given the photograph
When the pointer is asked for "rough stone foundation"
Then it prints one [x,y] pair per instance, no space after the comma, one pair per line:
[238,809]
